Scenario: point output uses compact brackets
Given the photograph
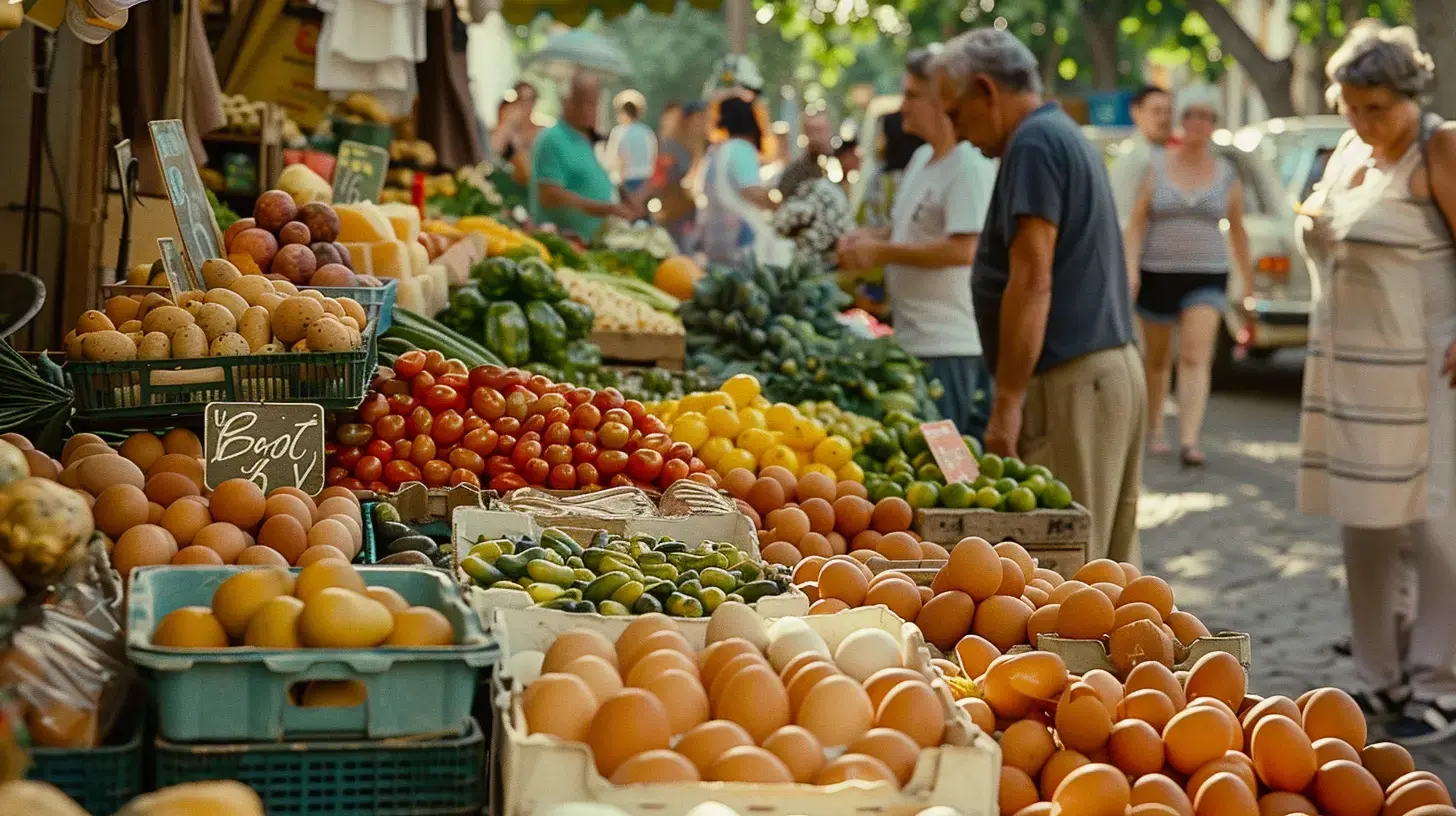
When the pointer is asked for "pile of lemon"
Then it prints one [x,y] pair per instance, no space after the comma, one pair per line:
[737,427]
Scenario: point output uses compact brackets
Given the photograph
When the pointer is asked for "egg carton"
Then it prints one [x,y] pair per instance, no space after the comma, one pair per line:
[536,773]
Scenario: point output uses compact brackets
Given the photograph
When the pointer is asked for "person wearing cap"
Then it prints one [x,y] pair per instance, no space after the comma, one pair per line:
[632,146]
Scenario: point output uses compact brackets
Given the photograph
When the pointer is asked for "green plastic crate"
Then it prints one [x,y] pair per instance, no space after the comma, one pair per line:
[101,779]
[378,301]
[149,388]
[241,694]
[445,776]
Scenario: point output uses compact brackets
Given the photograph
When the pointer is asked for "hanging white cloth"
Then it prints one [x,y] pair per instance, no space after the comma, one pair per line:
[372,46]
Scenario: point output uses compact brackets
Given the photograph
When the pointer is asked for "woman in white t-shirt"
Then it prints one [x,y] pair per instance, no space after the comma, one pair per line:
[939,209]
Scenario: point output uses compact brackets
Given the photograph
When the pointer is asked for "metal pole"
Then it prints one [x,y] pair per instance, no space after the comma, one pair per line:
[739,13]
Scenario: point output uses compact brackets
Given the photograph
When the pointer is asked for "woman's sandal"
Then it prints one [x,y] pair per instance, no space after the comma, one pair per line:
[1157,446]
[1192,457]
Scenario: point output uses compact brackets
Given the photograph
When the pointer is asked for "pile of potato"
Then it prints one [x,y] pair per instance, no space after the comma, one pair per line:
[239,314]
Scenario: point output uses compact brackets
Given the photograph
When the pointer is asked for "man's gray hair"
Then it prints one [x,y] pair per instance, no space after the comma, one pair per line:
[992,52]
[1374,55]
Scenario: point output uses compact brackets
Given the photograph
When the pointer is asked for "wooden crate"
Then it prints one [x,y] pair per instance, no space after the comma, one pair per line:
[1056,538]
[667,351]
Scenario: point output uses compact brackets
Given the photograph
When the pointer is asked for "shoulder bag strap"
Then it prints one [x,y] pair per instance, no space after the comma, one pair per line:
[1430,123]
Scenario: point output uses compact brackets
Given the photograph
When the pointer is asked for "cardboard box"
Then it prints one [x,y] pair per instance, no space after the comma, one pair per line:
[1082,656]
[1057,538]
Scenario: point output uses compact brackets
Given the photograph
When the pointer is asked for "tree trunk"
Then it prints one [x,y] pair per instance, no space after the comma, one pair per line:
[1272,77]
[1101,31]
[1049,78]
[1436,25]
[1353,11]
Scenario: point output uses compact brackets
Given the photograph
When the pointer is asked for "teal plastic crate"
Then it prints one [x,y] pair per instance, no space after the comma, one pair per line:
[378,301]
[368,554]
[101,779]
[444,776]
[241,694]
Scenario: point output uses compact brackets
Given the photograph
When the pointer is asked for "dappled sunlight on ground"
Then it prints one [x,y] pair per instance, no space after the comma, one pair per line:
[1156,509]
[1267,452]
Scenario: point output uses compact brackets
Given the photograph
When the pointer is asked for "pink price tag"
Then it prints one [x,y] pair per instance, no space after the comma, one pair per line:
[950,451]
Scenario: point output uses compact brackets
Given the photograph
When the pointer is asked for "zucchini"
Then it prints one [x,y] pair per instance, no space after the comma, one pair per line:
[427,334]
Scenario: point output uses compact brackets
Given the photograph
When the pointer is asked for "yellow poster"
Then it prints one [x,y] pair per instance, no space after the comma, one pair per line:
[276,61]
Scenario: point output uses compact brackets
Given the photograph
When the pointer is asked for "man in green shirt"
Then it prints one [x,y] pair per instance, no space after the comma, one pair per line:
[569,187]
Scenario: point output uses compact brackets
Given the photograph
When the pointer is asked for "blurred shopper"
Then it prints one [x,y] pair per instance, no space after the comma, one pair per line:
[1178,265]
[632,146]
[818,146]
[846,152]
[928,250]
[1152,115]
[735,218]
[1378,427]
[668,121]
[679,149]
[895,148]
[515,131]
[569,187]
[1050,288]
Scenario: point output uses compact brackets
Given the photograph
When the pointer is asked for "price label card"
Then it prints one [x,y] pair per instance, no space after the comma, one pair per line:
[359,172]
[950,451]
[123,162]
[201,239]
[272,444]
[174,268]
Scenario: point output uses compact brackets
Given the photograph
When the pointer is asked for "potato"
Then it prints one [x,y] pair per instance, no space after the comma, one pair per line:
[189,342]
[258,244]
[72,345]
[155,346]
[285,288]
[354,310]
[314,294]
[190,296]
[295,232]
[273,209]
[231,300]
[121,308]
[255,328]
[158,279]
[328,335]
[333,274]
[166,319]
[237,227]
[252,287]
[139,274]
[135,337]
[152,301]
[130,326]
[93,321]
[215,320]
[325,254]
[270,301]
[301,346]
[293,316]
[218,273]
[350,322]
[333,307]
[356,341]
[321,219]
[229,345]
[274,347]
[105,346]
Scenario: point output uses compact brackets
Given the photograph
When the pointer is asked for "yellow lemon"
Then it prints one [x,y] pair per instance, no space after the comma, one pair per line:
[808,433]
[736,458]
[751,418]
[696,401]
[742,389]
[670,407]
[714,399]
[713,450]
[780,416]
[815,467]
[761,403]
[834,451]
[756,441]
[690,428]
[780,455]
[723,422]
[850,472]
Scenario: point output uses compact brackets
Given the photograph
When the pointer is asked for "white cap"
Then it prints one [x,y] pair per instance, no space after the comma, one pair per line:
[734,71]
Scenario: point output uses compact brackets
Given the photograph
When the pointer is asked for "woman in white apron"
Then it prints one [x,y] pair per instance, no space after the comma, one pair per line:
[1378,423]
[736,221]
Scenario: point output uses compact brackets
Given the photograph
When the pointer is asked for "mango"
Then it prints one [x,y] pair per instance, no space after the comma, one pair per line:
[335,618]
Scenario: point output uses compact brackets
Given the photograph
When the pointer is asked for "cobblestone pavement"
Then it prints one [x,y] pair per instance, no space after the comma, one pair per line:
[1239,555]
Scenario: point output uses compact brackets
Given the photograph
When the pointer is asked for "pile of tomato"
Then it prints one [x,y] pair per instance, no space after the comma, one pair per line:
[431,420]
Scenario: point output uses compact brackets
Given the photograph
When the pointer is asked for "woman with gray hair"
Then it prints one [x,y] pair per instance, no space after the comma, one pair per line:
[1378,423]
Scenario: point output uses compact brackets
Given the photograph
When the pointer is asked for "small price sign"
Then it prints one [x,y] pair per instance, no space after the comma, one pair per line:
[175,269]
[271,444]
[201,239]
[359,172]
[949,449]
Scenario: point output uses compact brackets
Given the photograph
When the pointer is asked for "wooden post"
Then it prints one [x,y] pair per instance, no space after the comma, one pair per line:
[739,14]
[90,163]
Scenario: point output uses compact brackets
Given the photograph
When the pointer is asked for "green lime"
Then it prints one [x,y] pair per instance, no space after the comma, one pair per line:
[973,444]
[914,442]
[930,473]
[867,463]
[1039,470]
[1036,483]
[922,494]
[1057,496]
[1005,485]
[957,495]
[1013,468]
[988,498]
[991,466]
[881,445]
[922,459]
[982,481]
[903,478]
[1021,500]
[884,490]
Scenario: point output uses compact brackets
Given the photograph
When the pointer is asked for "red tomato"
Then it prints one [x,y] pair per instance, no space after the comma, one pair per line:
[348,457]
[579,435]
[644,464]
[587,475]
[548,402]
[379,487]
[459,382]
[487,376]
[402,404]
[584,452]
[468,459]
[482,441]
[618,416]
[395,387]
[496,465]
[611,462]
[353,433]
[662,443]
[369,468]
[556,415]
[435,473]
[488,403]
[557,454]
[680,450]
[439,398]
[507,425]
[516,404]
[390,428]
[435,363]
[613,435]
[556,434]
[402,449]
[672,470]
[634,440]
[373,407]
[539,385]
[399,471]
[410,363]
[586,416]
[352,484]
[534,422]
[579,396]
[506,482]
[449,427]
[334,475]
[607,398]
[536,471]
[562,477]
[635,408]
[696,465]
[621,480]
[525,451]
[506,445]
[651,425]
[421,384]
[704,478]
[529,436]
[423,449]
[459,477]
[473,422]
[420,421]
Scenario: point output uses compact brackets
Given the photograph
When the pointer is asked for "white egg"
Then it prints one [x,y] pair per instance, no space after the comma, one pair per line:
[735,620]
[790,637]
[867,651]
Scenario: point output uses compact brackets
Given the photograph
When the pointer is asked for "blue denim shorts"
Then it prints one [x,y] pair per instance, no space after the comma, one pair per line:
[1163,296]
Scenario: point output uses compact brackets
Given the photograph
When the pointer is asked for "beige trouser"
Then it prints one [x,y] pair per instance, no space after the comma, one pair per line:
[1085,420]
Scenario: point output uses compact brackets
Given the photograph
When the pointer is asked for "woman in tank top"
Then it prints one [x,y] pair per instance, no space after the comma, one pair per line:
[1178,267]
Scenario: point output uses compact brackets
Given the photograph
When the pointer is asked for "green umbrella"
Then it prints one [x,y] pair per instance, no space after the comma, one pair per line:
[581,49]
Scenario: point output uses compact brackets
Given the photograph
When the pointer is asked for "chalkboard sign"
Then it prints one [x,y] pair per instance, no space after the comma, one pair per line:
[201,239]
[172,265]
[359,172]
[272,444]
